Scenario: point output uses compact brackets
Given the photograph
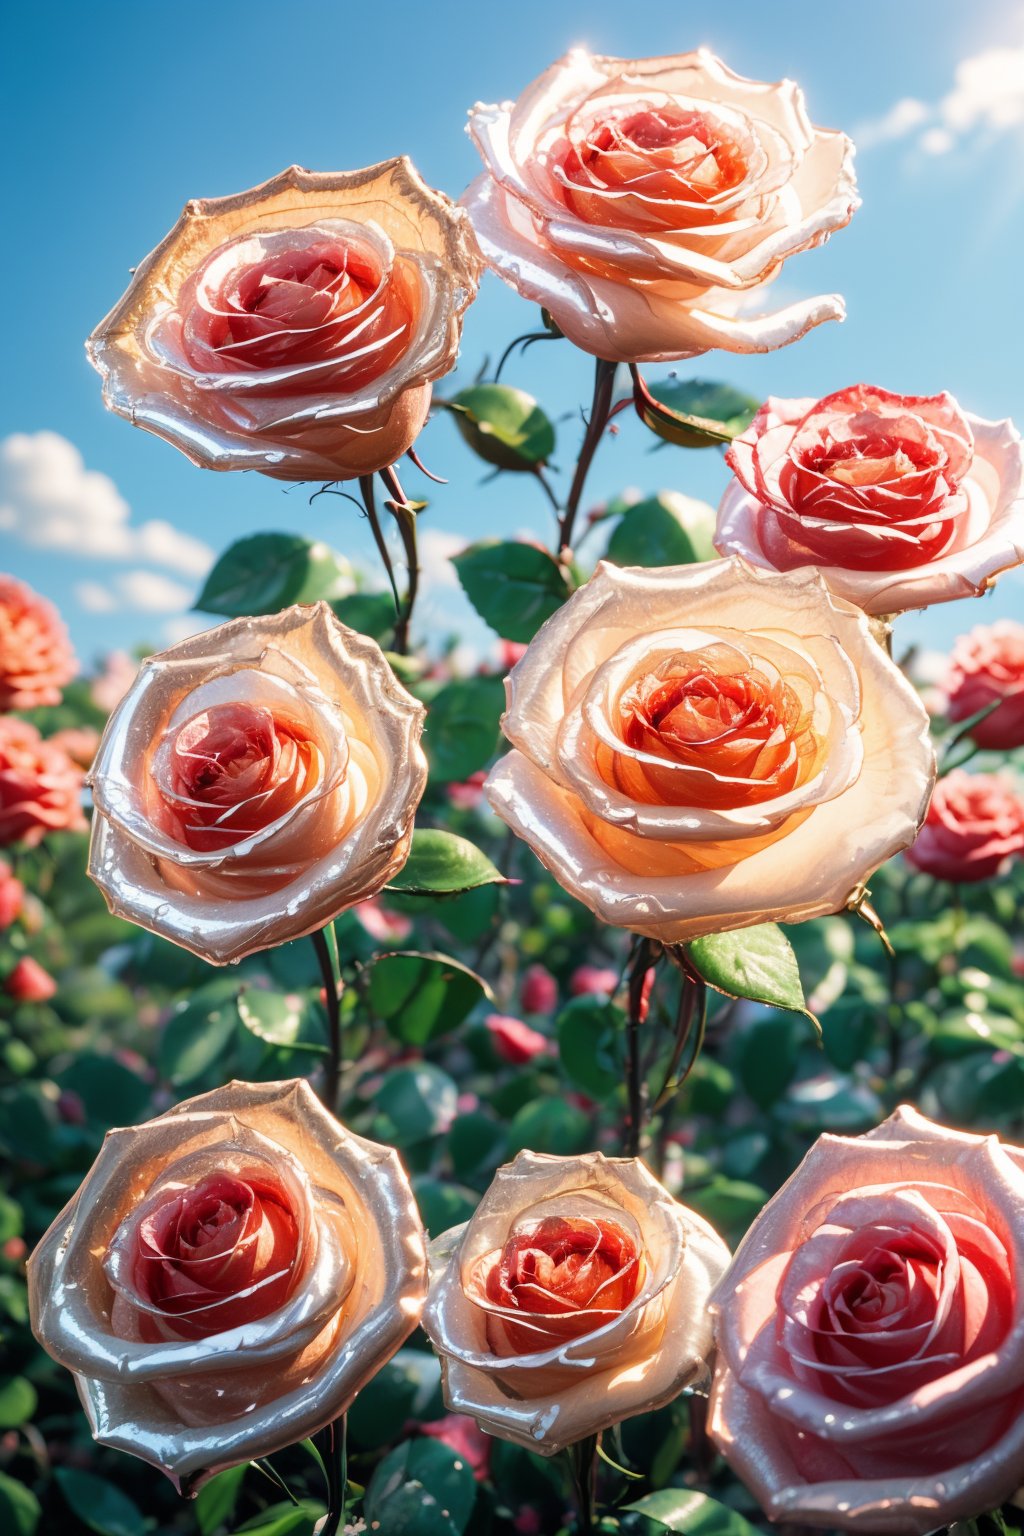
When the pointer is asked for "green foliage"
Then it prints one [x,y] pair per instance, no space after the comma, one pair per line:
[504,426]
[463,732]
[441,864]
[665,529]
[514,587]
[421,997]
[421,1488]
[757,963]
[694,414]
[267,571]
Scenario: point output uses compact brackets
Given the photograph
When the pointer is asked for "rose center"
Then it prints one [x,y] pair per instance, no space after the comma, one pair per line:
[560,1266]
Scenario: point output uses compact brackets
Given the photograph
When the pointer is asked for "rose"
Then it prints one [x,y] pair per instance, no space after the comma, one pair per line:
[36,658]
[255,781]
[29,983]
[12,895]
[708,746]
[295,328]
[643,202]
[228,1276]
[871,1333]
[901,500]
[974,827]
[575,1297]
[79,742]
[986,668]
[538,990]
[40,787]
[516,1042]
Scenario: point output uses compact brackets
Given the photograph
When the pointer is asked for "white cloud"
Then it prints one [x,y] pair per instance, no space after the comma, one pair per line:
[95,597]
[49,500]
[143,591]
[987,97]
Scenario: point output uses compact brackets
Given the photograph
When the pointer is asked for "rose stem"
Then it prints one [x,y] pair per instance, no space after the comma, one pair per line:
[326,946]
[583,1462]
[405,516]
[642,960]
[370,503]
[334,1449]
[600,412]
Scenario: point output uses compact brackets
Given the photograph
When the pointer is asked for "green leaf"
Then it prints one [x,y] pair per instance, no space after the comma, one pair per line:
[666,529]
[415,1103]
[590,1045]
[19,1508]
[463,727]
[503,426]
[549,1125]
[100,1505]
[268,571]
[441,864]
[443,1204]
[765,1055]
[275,1017]
[199,1034]
[285,1519]
[422,996]
[407,1387]
[476,1143]
[421,1488]
[110,1092]
[758,963]
[678,1509]
[216,1500]
[730,1205]
[17,1401]
[514,587]
[693,413]
[371,613]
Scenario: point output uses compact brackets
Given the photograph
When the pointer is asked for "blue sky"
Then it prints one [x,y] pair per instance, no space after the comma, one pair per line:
[118,113]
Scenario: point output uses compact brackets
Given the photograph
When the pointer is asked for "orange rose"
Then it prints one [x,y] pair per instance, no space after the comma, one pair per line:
[295,328]
[36,658]
[255,781]
[228,1277]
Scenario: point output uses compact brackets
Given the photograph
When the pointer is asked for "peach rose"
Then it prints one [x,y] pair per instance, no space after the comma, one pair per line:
[645,202]
[871,1333]
[228,1277]
[295,328]
[900,500]
[574,1298]
[255,781]
[79,742]
[985,668]
[40,787]
[974,827]
[36,658]
[704,747]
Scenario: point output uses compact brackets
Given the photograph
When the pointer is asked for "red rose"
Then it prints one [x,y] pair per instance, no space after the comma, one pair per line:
[987,666]
[12,893]
[514,1041]
[539,990]
[29,983]
[974,826]
[40,787]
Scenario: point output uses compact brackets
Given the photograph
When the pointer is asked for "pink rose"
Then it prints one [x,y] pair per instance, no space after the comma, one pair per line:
[871,1333]
[974,826]
[643,202]
[109,687]
[12,894]
[294,328]
[36,658]
[538,992]
[40,787]
[460,1434]
[988,665]
[901,500]
[29,983]
[514,1041]
[79,742]
[593,980]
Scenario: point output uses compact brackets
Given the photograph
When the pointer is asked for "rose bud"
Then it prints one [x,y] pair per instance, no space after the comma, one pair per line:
[294,328]
[974,827]
[36,658]
[539,990]
[29,983]
[985,669]
[593,981]
[900,500]
[40,787]
[574,1298]
[514,1041]
[645,202]
[256,780]
[12,894]
[228,1277]
[752,764]
[871,1334]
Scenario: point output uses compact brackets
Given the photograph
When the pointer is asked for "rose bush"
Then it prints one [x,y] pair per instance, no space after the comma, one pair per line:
[900,500]
[645,202]
[228,1276]
[870,1332]
[575,1297]
[986,668]
[974,827]
[40,787]
[255,781]
[683,777]
[36,658]
[294,328]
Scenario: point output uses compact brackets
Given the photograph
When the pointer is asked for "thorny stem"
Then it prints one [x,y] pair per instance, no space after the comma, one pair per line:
[645,955]
[370,503]
[327,957]
[600,413]
[693,1004]
[583,1461]
[405,516]
[334,1449]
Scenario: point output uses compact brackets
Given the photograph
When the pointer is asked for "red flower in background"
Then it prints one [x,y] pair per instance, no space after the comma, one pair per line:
[974,826]
[986,667]
[36,658]
[40,787]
